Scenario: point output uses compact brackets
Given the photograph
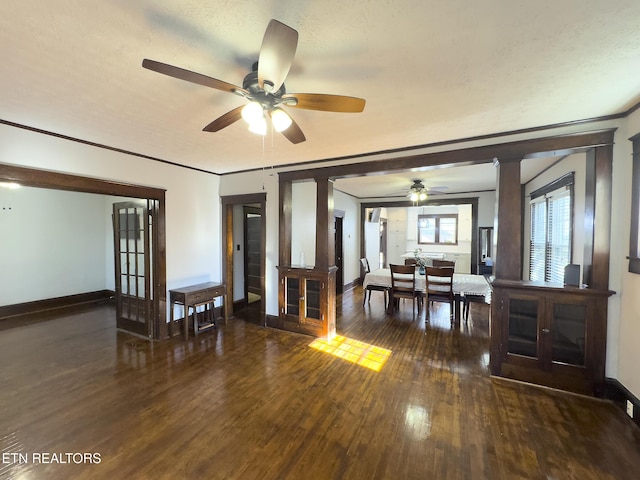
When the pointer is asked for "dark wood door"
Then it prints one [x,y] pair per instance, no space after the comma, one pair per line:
[134,308]
[252,253]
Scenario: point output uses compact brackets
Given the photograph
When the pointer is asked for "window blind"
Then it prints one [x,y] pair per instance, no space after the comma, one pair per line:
[551,234]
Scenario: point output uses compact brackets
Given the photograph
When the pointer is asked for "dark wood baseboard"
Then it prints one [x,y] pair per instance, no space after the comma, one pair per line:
[57,303]
[274,321]
[620,395]
[239,304]
[352,284]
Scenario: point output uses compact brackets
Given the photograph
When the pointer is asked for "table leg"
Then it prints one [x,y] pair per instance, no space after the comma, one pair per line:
[225,307]
[171,307]
[186,321]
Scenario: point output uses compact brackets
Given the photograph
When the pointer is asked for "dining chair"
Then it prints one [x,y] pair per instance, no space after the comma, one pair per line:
[403,285]
[439,286]
[378,288]
[443,263]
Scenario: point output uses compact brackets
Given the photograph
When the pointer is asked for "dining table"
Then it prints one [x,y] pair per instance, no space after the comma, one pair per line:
[465,285]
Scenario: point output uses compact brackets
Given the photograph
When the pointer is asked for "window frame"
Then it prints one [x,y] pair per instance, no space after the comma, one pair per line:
[437,218]
[634,236]
[567,181]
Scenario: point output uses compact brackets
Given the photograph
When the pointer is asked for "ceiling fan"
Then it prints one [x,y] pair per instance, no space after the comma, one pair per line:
[264,88]
[418,192]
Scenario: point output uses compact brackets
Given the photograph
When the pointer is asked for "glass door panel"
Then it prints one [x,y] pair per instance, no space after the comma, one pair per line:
[312,296]
[292,294]
[569,332]
[523,327]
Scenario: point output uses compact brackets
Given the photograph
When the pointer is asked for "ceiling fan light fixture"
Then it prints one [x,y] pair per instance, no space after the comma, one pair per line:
[422,196]
[259,126]
[252,112]
[280,119]
[414,196]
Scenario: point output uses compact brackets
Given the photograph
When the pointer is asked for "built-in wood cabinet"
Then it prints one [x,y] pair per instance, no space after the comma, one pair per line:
[549,334]
[306,301]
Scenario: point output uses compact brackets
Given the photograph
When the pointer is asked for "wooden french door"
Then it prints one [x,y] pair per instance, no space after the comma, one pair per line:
[132,251]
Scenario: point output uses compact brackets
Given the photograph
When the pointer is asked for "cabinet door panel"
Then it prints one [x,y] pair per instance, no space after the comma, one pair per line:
[312,299]
[569,333]
[522,333]
[292,296]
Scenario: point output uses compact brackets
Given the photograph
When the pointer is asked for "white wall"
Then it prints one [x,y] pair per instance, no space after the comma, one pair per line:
[623,335]
[303,224]
[192,199]
[52,244]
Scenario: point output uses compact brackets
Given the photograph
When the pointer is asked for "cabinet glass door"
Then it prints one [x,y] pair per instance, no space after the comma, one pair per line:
[312,297]
[523,327]
[292,294]
[569,332]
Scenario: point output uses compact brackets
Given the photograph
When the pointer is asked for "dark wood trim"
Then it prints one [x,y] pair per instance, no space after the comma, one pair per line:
[619,395]
[634,253]
[284,232]
[589,215]
[102,146]
[227,203]
[227,249]
[563,181]
[554,145]
[508,261]
[446,143]
[602,217]
[56,303]
[325,239]
[31,177]
[352,284]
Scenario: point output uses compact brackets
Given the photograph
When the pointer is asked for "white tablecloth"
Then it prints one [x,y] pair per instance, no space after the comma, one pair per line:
[464,284]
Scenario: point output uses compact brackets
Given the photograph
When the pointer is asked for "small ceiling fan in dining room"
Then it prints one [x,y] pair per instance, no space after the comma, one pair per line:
[419,193]
[264,88]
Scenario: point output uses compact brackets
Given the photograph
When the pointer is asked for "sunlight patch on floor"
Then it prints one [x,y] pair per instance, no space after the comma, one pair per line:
[354,351]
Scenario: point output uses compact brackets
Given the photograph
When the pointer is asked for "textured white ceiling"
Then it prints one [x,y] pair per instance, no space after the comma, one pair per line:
[430,71]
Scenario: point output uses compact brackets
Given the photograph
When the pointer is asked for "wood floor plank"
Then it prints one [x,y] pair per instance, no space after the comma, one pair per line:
[247,402]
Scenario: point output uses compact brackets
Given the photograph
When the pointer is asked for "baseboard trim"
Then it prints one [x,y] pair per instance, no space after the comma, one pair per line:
[351,285]
[57,303]
[274,321]
[620,395]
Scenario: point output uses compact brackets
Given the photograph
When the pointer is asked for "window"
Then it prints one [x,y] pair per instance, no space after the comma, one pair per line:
[438,229]
[551,230]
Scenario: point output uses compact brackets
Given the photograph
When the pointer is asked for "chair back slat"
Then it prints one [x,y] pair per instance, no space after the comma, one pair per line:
[439,282]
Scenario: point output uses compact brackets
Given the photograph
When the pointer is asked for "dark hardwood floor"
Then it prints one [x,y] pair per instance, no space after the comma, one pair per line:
[247,402]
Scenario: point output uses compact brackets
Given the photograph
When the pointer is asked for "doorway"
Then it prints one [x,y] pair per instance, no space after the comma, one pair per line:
[233,265]
[30,177]
[252,254]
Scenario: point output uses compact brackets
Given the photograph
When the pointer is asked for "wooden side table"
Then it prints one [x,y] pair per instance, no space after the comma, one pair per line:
[194,296]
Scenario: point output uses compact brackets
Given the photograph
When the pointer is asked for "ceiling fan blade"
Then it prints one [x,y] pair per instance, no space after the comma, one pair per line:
[193,77]
[324,102]
[293,133]
[225,120]
[276,55]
